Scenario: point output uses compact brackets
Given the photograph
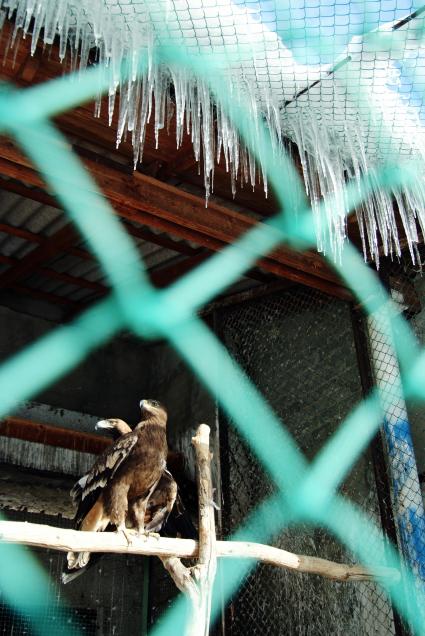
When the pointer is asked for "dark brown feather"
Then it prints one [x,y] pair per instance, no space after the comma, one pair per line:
[124,474]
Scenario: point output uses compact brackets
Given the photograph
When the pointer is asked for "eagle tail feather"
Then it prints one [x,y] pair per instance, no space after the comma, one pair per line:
[67,577]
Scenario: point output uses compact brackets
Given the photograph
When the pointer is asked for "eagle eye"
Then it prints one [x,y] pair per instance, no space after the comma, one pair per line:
[154,403]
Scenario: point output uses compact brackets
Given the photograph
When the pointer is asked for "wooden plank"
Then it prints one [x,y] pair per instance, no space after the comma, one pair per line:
[137,232]
[38,238]
[161,240]
[21,233]
[57,243]
[16,166]
[30,431]
[145,200]
[61,276]
[166,275]
[29,193]
[47,296]
[160,278]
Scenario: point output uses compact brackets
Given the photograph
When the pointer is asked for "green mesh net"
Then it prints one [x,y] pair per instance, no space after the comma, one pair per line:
[306,493]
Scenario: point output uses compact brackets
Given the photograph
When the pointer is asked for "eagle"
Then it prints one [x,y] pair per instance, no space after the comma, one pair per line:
[123,478]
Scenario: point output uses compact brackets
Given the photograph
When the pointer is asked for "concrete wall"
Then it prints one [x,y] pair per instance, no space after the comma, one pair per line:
[298,348]
[188,403]
[110,382]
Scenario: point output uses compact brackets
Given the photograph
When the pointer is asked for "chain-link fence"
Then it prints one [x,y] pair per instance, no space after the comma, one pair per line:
[403,431]
[298,348]
[107,601]
[303,493]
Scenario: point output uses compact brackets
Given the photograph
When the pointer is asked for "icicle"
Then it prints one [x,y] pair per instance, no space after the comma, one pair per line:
[97,9]
[100,61]
[160,94]
[170,110]
[123,110]
[19,22]
[111,103]
[2,18]
[64,33]
[29,12]
[86,44]
[50,23]
[334,139]
[62,17]
[116,55]
[78,25]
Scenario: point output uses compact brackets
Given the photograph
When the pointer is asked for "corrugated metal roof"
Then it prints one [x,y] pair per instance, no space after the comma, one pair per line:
[42,221]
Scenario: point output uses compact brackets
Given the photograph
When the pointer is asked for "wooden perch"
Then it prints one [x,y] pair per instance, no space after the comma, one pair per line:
[197,582]
[37,535]
[206,569]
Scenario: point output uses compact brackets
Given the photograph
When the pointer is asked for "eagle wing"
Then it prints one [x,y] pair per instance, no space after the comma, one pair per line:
[160,503]
[88,489]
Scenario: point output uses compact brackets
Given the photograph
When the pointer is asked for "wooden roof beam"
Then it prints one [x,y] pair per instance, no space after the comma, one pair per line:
[48,435]
[54,245]
[60,276]
[31,237]
[147,201]
[137,232]
[48,297]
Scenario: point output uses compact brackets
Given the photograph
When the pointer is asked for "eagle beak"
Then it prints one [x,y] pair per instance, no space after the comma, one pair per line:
[145,406]
[103,424]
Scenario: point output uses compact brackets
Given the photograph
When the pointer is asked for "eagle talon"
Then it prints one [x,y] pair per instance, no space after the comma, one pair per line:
[154,535]
[127,533]
[145,535]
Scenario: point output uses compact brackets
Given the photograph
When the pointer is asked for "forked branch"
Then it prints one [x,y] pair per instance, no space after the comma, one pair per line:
[196,582]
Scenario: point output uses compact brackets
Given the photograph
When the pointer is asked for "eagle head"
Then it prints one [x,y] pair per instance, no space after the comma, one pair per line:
[113,422]
[152,407]
[114,427]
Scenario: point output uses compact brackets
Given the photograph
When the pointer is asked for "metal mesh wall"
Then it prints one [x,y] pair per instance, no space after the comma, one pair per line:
[107,600]
[298,348]
[404,430]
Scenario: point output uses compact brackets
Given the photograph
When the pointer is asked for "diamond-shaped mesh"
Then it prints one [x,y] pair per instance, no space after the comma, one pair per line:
[342,429]
[298,349]
[107,600]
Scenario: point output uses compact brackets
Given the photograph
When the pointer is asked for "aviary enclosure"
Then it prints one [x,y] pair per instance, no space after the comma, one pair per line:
[250,254]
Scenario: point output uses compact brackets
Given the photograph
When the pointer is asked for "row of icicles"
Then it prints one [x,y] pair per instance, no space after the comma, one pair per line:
[163,93]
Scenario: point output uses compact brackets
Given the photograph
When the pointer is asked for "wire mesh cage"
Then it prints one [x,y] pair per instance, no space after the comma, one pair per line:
[107,601]
[134,304]
[403,431]
[298,348]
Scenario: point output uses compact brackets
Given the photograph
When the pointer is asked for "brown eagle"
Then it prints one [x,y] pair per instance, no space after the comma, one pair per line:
[123,478]
[161,500]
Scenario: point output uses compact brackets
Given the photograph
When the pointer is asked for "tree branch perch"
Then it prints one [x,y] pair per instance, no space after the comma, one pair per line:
[37,535]
[196,582]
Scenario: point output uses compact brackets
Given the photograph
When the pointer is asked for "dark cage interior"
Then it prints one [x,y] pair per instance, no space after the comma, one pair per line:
[109,600]
[298,348]
[307,354]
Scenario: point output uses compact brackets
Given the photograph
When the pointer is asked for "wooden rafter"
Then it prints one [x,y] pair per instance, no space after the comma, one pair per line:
[56,244]
[32,237]
[46,199]
[54,299]
[30,431]
[148,201]
[60,276]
